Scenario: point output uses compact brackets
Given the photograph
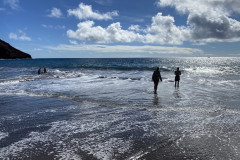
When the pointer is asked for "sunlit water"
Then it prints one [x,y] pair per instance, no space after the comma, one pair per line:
[106,109]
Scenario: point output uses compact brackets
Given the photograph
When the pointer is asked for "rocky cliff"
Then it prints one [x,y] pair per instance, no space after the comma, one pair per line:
[9,52]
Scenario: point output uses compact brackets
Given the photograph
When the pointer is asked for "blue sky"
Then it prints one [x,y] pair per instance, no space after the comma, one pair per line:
[122,28]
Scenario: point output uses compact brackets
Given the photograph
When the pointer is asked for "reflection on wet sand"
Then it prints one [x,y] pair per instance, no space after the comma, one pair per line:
[155,100]
[176,93]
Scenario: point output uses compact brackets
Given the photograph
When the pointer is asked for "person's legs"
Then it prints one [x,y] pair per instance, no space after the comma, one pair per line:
[176,83]
[155,87]
[177,79]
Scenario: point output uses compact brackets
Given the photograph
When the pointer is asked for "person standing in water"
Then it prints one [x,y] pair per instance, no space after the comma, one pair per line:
[45,70]
[155,78]
[177,77]
[39,71]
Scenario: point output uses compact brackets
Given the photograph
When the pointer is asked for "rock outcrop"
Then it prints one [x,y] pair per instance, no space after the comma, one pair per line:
[9,52]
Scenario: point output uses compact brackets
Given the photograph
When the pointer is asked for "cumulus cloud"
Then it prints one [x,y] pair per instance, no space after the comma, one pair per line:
[161,31]
[220,28]
[164,31]
[85,12]
[55,12]
[127,49]
[13,4]
[209,20]
[113,33]
[20,36]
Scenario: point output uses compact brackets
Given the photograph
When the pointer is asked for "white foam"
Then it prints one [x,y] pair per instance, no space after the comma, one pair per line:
[60,135]
[65,74]
[7,82]
[203,70]
[100,126]
[3,135]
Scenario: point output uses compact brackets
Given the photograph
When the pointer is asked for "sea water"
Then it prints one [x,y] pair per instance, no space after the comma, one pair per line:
[106,109]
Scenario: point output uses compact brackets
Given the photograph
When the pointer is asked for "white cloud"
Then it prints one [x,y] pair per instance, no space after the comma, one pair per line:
[13,36]
[113,33]
[21,36]
[13,4]
[73,42]
[104,2]
[128,49]
[86,12]
[210,20]
[24,38]
[60,27]
[37,49]
[33,50]
[163,31]
[54,27]
[55,12]
[47,26]
[224,7]
[134,28]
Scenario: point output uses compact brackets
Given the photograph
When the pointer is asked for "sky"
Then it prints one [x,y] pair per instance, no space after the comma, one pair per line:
[122,28]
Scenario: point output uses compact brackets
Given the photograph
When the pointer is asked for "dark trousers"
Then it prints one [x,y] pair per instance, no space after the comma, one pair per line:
[155,85]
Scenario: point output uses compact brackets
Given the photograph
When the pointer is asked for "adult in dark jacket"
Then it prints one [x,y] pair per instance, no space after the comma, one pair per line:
[155,78]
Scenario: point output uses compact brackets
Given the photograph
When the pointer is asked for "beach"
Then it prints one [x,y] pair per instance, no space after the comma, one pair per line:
[106,109]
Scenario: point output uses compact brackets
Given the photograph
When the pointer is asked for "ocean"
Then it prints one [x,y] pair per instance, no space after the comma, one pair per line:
[94,109]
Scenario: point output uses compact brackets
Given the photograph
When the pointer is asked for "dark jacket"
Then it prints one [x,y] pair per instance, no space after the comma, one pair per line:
[156,76]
